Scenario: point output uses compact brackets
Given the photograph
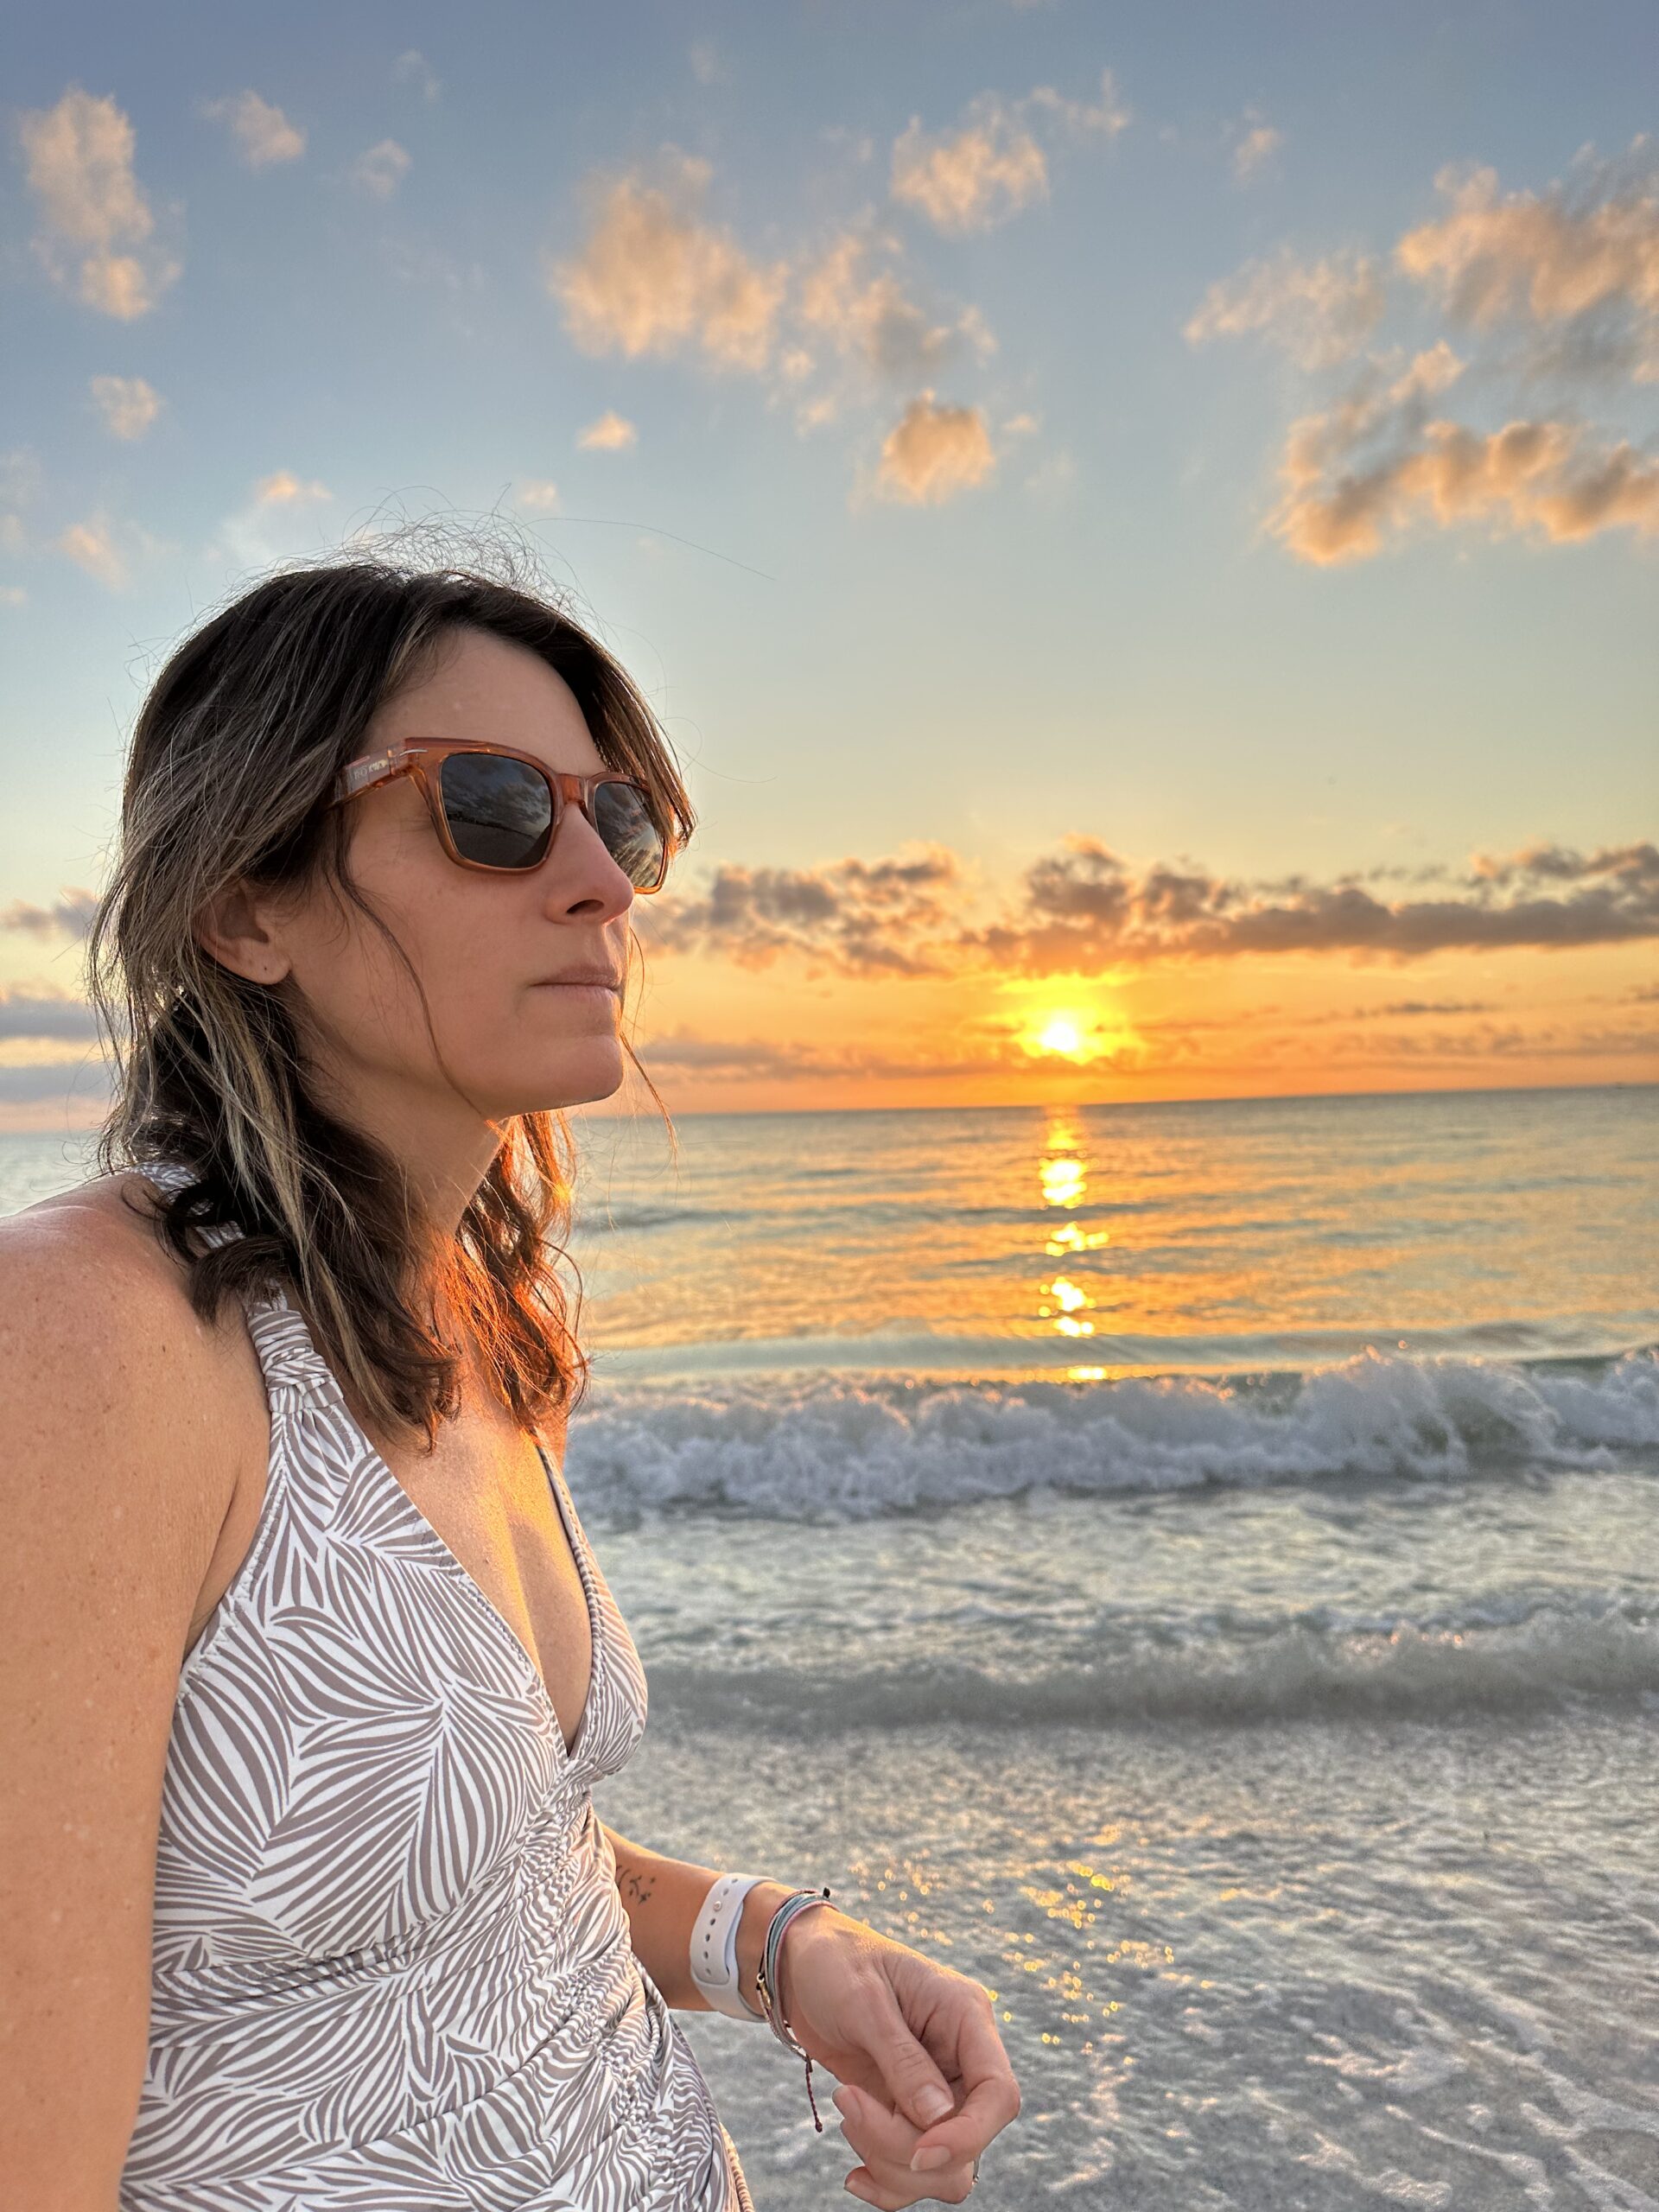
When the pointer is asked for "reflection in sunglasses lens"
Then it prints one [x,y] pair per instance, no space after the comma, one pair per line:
[631,838]
[499,813]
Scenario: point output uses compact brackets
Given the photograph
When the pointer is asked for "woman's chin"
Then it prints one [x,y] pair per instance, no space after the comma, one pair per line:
[588,1070]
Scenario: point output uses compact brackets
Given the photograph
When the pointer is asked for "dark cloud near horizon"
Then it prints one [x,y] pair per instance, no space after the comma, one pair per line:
[870,918]
[32,1014]
[49,1082]
[70,914]
[1084,906]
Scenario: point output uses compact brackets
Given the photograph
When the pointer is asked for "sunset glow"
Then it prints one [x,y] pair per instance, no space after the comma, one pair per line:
[1196,656]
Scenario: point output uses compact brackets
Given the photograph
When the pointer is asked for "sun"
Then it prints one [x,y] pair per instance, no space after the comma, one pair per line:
[1076,1031]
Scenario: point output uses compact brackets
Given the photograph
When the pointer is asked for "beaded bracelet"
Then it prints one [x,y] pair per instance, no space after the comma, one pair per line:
[766,1983]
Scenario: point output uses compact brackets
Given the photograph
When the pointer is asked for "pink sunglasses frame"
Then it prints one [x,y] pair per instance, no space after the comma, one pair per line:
[413,757]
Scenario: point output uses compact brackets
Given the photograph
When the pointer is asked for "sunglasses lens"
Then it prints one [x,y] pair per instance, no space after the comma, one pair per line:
[499,813]
[631,836]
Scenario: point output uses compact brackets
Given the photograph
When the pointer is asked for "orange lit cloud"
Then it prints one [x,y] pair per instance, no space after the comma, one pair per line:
[932,452]
[1587,248]
[611,433]
[263,133]
[96,225]
[1549,480]
[1320,312]
[992,164]
[653,276]
[871,317]
[128,405]
[1573,270]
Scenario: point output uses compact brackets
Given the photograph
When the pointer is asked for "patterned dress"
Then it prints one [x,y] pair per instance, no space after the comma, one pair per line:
[392,1970]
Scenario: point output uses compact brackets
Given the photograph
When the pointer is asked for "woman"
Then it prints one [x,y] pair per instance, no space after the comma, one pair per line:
[312,1666]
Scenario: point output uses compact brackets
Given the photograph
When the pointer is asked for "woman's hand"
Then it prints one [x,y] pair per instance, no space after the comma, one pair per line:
[915,2042]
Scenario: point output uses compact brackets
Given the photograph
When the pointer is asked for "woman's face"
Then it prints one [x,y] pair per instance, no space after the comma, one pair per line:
[488,949]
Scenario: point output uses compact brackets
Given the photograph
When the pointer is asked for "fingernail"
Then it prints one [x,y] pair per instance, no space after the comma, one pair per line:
[934,2103]
[855,2189]
[925,2161]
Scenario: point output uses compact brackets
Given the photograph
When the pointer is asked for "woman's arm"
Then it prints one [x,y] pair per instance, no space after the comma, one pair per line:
[913,2044]
[661,1897]
[112,1494]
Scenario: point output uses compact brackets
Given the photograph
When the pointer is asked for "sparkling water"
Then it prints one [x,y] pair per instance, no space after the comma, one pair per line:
[1194,1568]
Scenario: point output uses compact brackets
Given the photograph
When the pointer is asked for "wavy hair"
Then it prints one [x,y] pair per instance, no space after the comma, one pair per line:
[232,762]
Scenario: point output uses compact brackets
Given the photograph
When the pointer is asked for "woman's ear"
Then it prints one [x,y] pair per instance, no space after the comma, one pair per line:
[239,930]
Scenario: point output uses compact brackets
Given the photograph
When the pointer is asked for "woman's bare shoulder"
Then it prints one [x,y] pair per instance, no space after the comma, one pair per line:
[90,1293]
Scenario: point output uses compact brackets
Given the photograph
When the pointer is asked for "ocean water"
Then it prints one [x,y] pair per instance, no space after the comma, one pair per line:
[1194,1568]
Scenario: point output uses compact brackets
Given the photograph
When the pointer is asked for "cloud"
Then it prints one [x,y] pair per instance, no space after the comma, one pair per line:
[825,326]
[51,1015]
[653,278]
[1380,461]
[381,169]
[932,452]
[1082,908]
[785,1060]
[96,546]
[54,1081]
[128,405]
[538,496]
[1085,904]
[265,528]
[412,67]
[21,481]
[992,164]
[1582,253]
[70,914]
[1395,1010]
[284,489]
[96,225]
[861,916]
[870,318]
[705,62]
[1109,114]
[1256,148]
[263,132]
[611,433]
[1549,293]
[980,176]
[1320,312]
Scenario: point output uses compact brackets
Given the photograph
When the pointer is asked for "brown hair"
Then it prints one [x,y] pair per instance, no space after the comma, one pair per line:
[233,757]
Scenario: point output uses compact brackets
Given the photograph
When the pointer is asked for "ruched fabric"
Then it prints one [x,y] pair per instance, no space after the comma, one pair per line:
[392,1971]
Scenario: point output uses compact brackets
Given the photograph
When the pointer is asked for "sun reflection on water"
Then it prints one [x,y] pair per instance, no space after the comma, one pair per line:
[1063,1180]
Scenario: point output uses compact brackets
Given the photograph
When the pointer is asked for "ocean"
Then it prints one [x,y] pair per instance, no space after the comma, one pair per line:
[1194,1568]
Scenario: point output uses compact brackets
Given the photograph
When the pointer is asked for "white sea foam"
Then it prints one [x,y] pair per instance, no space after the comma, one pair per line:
[847,1446]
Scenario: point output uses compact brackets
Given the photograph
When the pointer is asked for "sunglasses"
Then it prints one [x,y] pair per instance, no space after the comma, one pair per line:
[497,810]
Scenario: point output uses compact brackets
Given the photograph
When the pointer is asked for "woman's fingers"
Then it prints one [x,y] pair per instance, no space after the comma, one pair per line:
[910,2073]
[884,2141]
[992,2095]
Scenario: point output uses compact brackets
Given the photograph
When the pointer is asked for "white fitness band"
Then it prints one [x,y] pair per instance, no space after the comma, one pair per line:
[714,1944]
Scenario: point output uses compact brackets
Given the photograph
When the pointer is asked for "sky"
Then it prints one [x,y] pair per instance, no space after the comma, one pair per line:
[1139,523]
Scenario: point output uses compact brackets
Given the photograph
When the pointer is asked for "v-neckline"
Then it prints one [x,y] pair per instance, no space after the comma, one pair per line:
[165,1175]
[486,1605]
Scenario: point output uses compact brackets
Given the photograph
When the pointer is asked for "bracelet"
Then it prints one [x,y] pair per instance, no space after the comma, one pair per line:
[768,1986]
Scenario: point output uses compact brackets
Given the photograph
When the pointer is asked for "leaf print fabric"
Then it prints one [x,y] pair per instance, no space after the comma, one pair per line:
[391,1967]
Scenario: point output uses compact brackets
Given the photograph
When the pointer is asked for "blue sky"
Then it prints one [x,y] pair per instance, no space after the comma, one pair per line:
[960,351]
